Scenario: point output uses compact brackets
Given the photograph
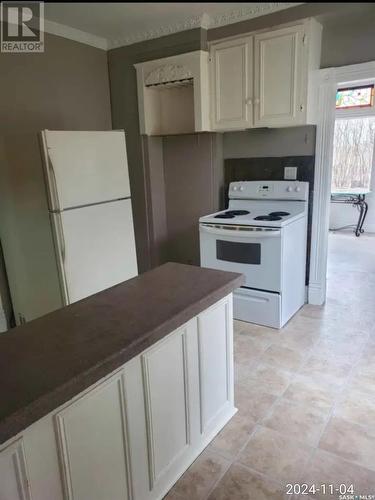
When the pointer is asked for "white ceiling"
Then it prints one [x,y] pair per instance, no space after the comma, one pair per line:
[109,25]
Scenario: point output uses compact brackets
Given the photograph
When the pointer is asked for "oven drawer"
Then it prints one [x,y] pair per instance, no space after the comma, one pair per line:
[258,307]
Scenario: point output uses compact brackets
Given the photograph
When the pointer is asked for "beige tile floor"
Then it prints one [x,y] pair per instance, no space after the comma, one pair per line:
[305,395]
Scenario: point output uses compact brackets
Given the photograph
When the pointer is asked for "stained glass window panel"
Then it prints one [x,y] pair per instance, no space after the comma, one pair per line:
[355,97]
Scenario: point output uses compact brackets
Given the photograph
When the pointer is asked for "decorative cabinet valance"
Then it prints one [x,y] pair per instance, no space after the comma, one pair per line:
[169,74]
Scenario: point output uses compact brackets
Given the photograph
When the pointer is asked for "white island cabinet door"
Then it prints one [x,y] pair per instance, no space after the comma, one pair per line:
[215,348]
[14,482]
[93,444]
[231,79]
[169,370]
[278,78]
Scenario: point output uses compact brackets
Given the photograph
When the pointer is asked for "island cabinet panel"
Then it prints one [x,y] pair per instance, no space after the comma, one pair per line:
[167,388]
[14,482]
[278,77]
[132,434]
[232,82]
[215,347]
[93,445]
[164,420]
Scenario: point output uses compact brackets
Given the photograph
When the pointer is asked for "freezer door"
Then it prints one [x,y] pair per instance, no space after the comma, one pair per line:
[85,167]
[96,247]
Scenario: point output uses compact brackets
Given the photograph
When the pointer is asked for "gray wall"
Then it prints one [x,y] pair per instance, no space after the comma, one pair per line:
[125,115]
[193,174]
[348,38]
[264,142]
[66,87]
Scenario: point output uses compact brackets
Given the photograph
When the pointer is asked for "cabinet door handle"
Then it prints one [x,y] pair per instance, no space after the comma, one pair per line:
[249,101]
[301,108]
[257,101]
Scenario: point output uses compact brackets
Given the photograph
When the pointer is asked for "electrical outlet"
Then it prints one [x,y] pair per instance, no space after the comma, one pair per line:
[290,173]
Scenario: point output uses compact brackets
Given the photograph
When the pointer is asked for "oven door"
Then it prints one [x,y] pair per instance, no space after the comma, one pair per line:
[252,251]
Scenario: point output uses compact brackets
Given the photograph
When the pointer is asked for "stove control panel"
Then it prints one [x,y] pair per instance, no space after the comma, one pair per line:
[265,189]
[272,190]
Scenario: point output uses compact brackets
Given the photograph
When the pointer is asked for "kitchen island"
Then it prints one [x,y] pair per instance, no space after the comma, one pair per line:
[114,396]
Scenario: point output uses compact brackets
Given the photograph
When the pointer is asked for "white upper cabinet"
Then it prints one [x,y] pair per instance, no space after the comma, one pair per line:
[261,79]
[283,62]
[232,84]
[265,79]
[278,67]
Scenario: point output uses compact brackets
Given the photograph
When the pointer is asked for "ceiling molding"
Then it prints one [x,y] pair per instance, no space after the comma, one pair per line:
[74,34]
[204,21]
[237,15]
[188,24]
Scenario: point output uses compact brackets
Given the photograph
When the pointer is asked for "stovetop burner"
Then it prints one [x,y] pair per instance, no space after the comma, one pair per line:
[279,214]
[268,217]
[237,212]
[230,214]
[224,215]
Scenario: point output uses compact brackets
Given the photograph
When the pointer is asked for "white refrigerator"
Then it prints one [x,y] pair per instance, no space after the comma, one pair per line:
[90,213]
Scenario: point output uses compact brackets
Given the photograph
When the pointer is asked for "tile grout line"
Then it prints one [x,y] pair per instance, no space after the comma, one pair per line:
[344,386]
[259,422]
[232,459]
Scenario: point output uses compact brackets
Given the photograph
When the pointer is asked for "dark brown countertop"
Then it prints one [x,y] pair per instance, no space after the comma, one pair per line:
[50,360]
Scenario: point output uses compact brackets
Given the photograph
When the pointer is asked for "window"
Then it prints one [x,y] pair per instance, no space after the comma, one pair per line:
[353,153]
[355,97]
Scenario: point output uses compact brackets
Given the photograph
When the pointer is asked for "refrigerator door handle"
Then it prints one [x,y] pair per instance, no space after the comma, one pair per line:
[60,236]
[53,184]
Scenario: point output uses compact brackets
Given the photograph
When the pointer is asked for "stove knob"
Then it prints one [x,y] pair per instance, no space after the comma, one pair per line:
[298,189]
[234,188]
[289,189]
[241,188]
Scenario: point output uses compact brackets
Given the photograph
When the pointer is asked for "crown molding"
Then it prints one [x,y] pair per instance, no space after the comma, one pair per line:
[238,15]
[74,34]
[188,24]
[204,21]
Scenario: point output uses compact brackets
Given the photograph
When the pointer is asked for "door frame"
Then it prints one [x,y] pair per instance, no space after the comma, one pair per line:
[327,81]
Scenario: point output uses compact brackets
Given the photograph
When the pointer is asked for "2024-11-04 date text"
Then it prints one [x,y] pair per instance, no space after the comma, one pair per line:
[322,489]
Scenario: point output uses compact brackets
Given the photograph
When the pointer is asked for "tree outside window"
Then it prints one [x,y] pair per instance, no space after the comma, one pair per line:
[353,153]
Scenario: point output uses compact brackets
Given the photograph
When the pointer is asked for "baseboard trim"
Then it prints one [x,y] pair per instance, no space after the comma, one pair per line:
[316,294]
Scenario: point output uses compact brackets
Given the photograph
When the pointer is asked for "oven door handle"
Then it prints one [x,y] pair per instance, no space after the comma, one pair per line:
[248,234]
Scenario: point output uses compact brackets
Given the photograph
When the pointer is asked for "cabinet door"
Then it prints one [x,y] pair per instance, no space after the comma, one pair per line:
[215,347]
[93,444]
[14,483]
[169,395]
[278,77]
[231,79]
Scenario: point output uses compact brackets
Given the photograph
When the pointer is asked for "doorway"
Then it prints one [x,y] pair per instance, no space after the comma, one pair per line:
[343,176]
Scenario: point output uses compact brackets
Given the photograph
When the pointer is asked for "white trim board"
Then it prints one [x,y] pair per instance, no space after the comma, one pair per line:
[76,35]
[328,80]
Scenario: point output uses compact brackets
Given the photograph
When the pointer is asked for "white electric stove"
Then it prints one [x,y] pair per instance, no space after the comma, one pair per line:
[262,235]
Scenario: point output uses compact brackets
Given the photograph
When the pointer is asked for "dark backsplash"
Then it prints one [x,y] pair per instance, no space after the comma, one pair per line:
[272,168]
